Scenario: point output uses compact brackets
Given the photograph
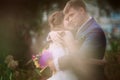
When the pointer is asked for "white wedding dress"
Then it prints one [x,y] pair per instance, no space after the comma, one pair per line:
[59,50]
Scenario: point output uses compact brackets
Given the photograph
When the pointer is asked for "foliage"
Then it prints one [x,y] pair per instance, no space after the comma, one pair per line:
[5,73]
[112,68]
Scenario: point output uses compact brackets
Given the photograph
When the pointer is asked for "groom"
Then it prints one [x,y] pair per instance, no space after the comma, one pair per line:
[85,61]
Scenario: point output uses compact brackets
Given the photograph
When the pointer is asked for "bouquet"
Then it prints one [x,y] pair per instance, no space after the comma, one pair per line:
[41,60]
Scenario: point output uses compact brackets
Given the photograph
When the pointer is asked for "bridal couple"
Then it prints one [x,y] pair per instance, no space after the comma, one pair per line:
[77,44]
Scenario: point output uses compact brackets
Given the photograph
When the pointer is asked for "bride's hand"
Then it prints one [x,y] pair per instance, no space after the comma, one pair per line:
[56,37]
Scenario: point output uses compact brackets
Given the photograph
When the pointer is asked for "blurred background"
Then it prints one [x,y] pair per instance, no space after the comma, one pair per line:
[24,27]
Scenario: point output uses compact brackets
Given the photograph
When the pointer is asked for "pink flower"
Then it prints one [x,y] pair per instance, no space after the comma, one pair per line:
[44,58]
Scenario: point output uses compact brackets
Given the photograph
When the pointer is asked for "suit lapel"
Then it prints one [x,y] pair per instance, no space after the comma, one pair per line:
[82,32]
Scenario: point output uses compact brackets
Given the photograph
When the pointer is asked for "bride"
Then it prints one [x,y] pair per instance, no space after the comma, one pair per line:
[57,48]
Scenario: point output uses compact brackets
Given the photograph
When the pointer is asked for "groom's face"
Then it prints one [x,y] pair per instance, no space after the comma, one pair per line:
[72,18]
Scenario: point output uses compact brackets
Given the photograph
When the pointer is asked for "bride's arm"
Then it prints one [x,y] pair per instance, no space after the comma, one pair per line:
[69,40]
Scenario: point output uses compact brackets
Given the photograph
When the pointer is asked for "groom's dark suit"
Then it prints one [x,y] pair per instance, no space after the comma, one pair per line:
[92,43]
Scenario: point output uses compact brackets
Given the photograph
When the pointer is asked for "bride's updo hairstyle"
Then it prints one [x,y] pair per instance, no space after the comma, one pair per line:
[55,20]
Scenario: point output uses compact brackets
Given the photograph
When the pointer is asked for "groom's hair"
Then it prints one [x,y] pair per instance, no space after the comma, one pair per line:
[76,4]
[55,19]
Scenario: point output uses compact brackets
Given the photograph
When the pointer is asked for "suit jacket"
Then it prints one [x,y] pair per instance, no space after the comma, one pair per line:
[92,44]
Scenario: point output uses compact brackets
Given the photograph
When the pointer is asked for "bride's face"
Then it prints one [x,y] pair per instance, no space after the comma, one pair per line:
[68,24]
